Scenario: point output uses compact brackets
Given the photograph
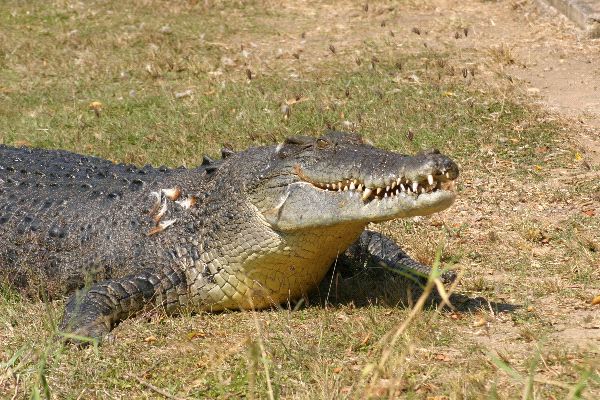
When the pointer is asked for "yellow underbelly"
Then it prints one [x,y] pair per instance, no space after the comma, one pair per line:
[283,270]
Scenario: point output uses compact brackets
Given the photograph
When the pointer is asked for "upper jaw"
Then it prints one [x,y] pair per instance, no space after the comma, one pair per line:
[421,174]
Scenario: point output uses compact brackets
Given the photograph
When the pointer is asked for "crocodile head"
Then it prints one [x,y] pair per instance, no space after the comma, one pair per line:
[340,179]
[277,217]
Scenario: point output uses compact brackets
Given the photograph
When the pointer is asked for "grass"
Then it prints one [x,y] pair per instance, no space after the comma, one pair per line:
[172,81]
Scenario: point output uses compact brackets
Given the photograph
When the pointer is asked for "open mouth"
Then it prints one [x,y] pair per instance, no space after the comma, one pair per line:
[396,187]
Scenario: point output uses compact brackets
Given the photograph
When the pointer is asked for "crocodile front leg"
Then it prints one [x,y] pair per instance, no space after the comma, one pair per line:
[95,312]
[373,249]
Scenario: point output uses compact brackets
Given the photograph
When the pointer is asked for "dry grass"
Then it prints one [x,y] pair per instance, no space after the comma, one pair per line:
[176,79]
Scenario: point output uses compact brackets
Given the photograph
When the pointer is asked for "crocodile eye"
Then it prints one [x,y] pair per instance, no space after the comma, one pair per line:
[322,143]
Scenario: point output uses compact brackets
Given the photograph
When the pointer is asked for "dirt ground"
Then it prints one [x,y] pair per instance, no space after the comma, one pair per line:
[563,71]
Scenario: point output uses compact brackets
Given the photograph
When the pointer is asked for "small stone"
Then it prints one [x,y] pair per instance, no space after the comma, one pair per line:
[286,111]
[228,62]
[185,93]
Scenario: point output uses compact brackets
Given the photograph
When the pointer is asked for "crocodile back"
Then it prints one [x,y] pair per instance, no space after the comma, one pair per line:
[67,218]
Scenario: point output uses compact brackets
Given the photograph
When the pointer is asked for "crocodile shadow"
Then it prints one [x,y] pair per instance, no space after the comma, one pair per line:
[379,287]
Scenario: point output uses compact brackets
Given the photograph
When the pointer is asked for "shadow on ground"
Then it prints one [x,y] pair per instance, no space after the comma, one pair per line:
[380,287]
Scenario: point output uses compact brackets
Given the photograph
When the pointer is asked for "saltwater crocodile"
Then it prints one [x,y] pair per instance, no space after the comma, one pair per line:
[252,230]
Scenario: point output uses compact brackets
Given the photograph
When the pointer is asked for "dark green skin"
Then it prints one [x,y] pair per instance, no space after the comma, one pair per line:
[70,222]
[67,218]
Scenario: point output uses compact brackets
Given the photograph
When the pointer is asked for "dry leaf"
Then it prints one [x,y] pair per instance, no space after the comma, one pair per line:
[21,143]
[196,334]
[150,339]
[295,100]
[596,300]
[96,107]
[590,212]
[542,149]
[366,339]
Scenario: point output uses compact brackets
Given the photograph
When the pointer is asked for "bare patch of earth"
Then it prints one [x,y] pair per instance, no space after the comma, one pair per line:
[564,70]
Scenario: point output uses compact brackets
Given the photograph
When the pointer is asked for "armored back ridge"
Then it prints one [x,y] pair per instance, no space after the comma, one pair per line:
[252,230]
[66,219]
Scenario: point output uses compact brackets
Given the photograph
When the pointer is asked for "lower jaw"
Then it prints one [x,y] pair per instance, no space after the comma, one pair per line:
[380,210]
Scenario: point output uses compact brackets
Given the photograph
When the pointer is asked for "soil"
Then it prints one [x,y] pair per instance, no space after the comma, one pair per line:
[563,70]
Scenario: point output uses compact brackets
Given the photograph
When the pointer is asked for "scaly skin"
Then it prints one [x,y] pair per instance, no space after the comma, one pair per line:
[258,228]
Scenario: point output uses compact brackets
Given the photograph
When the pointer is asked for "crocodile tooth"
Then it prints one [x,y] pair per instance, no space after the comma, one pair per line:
[415,186]
[387,188]
[333,186]
[367,193]
[430,179]
[360,187]
[352,187]
[327,185]
[398,191]
[447,174]
[379,190]
[385,195]
[394,184]
[345,188]
[402,187]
